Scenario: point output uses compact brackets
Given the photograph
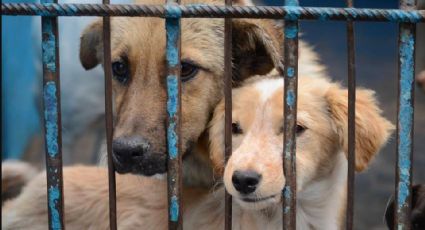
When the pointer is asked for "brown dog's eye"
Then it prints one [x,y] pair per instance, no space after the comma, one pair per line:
[121,71]
[188,70]
[236,128]
[300,129]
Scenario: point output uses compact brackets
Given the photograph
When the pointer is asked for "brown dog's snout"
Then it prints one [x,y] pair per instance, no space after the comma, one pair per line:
[246,182]
[129,147]
[133,155]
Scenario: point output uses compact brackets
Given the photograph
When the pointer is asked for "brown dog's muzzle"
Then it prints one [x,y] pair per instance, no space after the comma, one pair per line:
[132,154]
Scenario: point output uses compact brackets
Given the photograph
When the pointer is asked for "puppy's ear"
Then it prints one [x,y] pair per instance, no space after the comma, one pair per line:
[91,40]
[216,136]
[372,129]
[256,48]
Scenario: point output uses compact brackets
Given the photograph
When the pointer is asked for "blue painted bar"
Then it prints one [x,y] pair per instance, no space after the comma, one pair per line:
[172,26]
[52,120]
[202,11]
[290,114]
[405,126]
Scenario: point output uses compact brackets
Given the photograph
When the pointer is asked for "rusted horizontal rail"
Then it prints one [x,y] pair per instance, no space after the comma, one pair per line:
[210,11]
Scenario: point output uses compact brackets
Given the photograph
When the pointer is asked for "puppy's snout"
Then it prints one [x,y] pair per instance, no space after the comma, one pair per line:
[129,147]
[246,182]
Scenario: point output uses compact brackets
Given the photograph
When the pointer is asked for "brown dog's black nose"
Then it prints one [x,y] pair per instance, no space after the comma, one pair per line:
[132,154]
[130,147]
[245,182]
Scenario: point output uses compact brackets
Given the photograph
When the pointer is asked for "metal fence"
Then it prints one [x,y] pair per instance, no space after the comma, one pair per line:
[407,17]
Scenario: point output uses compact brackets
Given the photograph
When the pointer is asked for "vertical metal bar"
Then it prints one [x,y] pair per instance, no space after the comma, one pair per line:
[108,118]
[405,112]
[228,110]
[290,118]
[351,121]
[52,119]
[173,29]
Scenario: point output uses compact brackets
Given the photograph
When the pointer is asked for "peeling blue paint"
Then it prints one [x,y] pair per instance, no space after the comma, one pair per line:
[174,209]
[54,196]
[291,31]
[172,107]
[405,116]
[172,26]
[290,98]
[286,193]
[51,118]
[397,15]
[49,45]
[290,72]
[173,91]
[172,140]
[173,11]
[293,13]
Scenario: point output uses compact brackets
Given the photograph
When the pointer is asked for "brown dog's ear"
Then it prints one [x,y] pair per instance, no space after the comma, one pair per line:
[372,129]
[91,40]
[216,136]
[256,47]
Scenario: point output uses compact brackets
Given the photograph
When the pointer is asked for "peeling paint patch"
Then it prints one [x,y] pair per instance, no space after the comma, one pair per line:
[290,72]
[173,91]
[48,45]
[172,26]
[290,98]
[54,195]
[291,31]
[172,11]
[286,194]
[293,12]
[405,116]
[172,107]
[172,140]
[174,209]
[51,118]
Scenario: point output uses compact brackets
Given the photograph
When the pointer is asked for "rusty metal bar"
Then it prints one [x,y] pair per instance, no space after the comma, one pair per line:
[109,119]
[214,11]
[173,30]
[405,110]
[228,110]
[351,121]
[52,120]
[290,119]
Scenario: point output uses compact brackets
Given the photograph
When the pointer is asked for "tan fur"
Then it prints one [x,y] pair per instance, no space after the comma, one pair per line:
[14,176]
[320,160]
[141,202]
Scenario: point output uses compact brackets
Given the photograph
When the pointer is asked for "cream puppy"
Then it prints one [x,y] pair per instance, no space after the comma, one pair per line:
[254,174]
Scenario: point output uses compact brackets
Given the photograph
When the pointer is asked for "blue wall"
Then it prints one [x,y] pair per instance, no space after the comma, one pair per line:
[19,114]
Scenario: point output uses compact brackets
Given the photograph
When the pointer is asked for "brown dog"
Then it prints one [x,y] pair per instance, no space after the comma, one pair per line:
[138,64]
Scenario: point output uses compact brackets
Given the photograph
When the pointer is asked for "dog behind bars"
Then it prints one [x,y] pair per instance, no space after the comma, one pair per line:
[254,174]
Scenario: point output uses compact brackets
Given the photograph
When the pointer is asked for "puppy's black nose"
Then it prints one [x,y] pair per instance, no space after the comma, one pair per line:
[127,148]
[245,182]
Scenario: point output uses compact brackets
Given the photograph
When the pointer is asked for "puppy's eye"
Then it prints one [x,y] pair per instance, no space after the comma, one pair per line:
[121,71]
[188,70]
[300,129]
[236,128]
